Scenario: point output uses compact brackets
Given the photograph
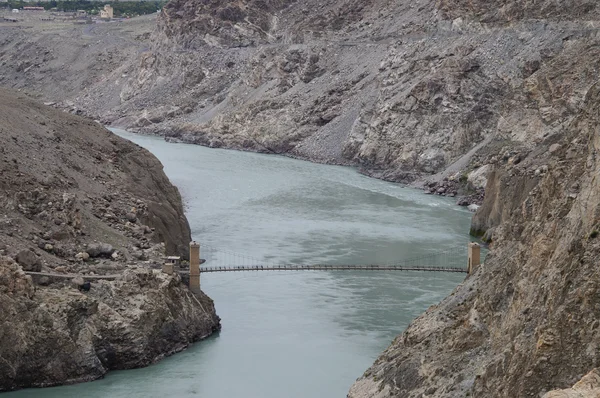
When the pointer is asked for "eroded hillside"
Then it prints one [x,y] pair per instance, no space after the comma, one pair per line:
[406,90]
[526,321]
[78,202]
[401,89]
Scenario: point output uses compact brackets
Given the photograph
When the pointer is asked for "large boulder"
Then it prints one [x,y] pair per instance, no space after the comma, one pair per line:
[478,177]
[100,250]
[29,261]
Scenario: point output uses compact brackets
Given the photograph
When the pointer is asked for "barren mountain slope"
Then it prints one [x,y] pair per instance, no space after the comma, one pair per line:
[58,61]
[525,322]
[77,200]
[400,88]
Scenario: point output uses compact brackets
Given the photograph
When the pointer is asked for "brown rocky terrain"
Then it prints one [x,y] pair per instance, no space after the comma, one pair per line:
[404,90]
[526,322]
[499,94]
[78,201]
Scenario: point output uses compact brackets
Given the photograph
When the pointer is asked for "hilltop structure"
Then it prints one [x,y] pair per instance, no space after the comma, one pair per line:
[106,12]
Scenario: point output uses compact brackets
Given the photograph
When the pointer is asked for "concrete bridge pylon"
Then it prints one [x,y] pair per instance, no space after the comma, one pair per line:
[195,267]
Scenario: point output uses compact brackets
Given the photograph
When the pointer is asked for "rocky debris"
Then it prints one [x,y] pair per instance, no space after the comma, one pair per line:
[478,177]
[452,187]
[84,337]
[587,387]
[553,148]
[131,217]
[423,102]
[475,198]
[77,281]
[29,261]
[44,281]
[525,322]
[68,188]
[100,249]
[84,256]
[446,187]
[473,207]
[400,89]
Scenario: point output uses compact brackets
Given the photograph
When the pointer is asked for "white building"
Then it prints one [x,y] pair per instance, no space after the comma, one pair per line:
[107,12]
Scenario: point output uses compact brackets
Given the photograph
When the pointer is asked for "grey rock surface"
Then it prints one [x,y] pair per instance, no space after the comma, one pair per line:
[29,261]
[100,249]
[525,322]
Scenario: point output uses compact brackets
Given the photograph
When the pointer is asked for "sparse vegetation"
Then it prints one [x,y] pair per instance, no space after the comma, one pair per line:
[121,8]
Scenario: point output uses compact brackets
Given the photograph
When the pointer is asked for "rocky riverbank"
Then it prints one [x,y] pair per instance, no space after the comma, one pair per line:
[526,322]
[78,200]
[435,92]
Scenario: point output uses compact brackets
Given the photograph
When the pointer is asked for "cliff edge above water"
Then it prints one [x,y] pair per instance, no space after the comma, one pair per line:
[526,322]
[77,200]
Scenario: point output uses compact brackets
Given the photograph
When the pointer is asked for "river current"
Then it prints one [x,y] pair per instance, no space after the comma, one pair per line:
[293,334]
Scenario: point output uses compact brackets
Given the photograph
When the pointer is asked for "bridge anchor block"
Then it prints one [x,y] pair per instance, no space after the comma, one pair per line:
[195,267]
[474,257]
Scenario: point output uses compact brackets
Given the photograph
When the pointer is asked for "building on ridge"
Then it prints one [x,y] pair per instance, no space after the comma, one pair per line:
[107,12]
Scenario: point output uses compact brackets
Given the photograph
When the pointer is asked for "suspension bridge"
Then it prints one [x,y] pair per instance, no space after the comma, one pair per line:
[456,259]
[218,260]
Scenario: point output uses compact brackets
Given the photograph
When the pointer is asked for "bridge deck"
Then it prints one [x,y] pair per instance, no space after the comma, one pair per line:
[331,268]
[271,268]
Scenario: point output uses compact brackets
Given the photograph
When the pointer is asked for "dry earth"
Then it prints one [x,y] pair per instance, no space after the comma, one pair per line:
[77,200]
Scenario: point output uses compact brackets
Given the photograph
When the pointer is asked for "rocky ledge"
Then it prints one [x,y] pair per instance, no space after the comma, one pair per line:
[79,203]
[62,335]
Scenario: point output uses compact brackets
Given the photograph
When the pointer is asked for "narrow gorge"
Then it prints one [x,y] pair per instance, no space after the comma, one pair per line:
[457,97]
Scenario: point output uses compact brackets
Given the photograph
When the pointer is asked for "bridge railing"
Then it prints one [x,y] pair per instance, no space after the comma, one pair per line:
[453,258]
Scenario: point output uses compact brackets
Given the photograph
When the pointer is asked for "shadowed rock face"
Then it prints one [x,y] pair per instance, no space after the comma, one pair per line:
[526,322]
[76,199]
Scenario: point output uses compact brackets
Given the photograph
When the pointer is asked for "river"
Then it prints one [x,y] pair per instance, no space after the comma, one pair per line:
[293,334]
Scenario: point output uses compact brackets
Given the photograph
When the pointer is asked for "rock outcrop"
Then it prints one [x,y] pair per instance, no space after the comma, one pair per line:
[57,335]
[587,387]
[68,190]
[526,322]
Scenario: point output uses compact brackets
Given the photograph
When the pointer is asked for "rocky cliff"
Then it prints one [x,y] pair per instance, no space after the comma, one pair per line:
[405,90]
[78,202]
[526,322]
[402,89]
